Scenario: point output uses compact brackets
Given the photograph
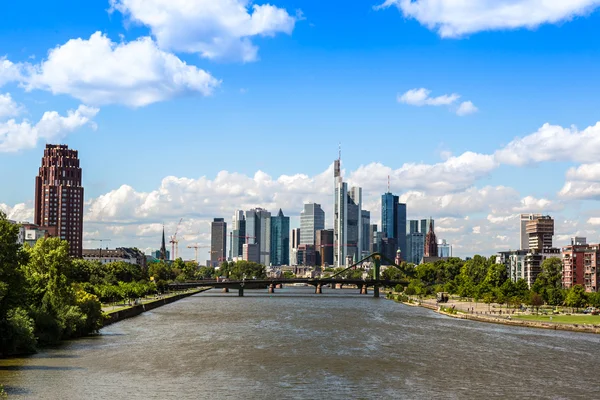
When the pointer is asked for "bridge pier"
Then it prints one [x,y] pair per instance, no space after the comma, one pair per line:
[271,288]
[225,290]
[319,289]
[241,292]
[375,291]
[363,290]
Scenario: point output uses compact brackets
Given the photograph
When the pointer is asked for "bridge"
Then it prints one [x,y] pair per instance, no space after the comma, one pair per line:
[375,282]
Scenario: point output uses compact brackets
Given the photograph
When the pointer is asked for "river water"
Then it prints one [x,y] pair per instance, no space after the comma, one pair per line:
[297,345]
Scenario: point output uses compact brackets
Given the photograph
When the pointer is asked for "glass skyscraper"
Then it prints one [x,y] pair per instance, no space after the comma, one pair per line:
[280,239]
[312,219]
[393,220]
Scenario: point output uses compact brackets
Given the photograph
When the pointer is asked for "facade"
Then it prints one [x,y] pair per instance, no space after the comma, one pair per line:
[280,239]
[393,219]
[524,219]
[251,252]
[354,215]
[306,255]
[540,231]
[372,238]
[415,247]
[581,265]
[238,235]
[312,218]
[514,261]
[218,241]
[533,263]
[124,254]
[258,231]
[295,238]
[412,226]
[431,248]
[324,247]
[366,233]
[59,196]
[389,248]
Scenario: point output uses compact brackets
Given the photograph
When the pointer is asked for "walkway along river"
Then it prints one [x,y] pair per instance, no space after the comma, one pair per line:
[295,344]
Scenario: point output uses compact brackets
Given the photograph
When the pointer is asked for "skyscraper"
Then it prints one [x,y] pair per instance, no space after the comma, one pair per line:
[372,243]
[525,218]
[59,196]
[258,230]
[393,220]
[324,247]
[354,216]
[238,233]
[218,241]
[412,226]
[340,222]
[425,224]
[540,231]
[365,234]
[415,247]
[312,218]
[280,239]
[295,238]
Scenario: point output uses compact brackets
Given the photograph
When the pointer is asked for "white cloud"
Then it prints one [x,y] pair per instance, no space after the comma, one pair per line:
[466,108]
[8,107]
[455,18]
[98,71]
[20,212]
[9,72]
[585,172]
[421,97]
[15,136]
[553,143]
[594,221]
[220,29]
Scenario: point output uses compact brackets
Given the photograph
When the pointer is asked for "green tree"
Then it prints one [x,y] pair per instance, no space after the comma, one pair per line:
[576,297]
[206,272]
[535,300]
[549,279]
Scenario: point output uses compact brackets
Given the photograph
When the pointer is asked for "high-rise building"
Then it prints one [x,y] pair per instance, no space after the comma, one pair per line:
[372,242]
[525,218]
[514,261]
[353,216]
[366,233]
[412,226]
[533,263]
[218,241]
[444,249]
[312,218]
[389,248]
[295,238]
[306,255]
[258,231]
[324,247]
[540,231]
[340,216]
[251,252]
[238,235]
[581,265]
[431,247]
[415,247]
[393,220]
[425,224]
[59,196]
[280,239]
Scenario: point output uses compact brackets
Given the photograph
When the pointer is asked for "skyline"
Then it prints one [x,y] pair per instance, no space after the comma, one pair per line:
[472,123]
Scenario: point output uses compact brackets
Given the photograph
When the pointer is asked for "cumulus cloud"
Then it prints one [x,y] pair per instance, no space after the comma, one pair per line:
[214,29]
[98,71]
[553,143]
[19,212]
[421,97]
[15,136]
[456,18]
[9,72]
[8,107]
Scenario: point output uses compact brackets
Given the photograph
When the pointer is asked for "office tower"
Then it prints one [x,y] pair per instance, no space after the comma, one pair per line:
[425,224]
[388,247]
[354,215]
[540,231]
[444,249]
[59,196]
[415,247]
[340,221]
[324,247]
[412,226]
[365,234]
[306,255]
[431,249]
[280,239]
[218,241]
[238,235]
[295,238]
[524,219]
[312,218]
[258,231]
[251,252]
[372,243]
[393,219]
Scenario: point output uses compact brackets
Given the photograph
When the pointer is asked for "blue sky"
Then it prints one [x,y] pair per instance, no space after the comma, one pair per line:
[332,73]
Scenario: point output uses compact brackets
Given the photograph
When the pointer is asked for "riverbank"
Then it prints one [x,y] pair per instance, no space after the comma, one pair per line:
[133,311]
[508,320]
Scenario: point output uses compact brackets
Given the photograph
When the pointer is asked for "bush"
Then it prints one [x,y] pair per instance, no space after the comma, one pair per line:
[17,333]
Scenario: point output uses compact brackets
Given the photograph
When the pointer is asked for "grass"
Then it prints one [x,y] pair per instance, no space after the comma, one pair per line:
[562,319]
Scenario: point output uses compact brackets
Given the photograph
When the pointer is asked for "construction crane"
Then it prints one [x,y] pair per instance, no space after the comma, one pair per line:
[196,247]
[101,241]
[174,242]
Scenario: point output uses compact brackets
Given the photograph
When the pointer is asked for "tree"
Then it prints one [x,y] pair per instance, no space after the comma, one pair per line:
[549,279]
[576,297]
[288,275]
[535,300]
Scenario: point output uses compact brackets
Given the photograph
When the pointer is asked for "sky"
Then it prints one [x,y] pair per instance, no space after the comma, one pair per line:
[477,111]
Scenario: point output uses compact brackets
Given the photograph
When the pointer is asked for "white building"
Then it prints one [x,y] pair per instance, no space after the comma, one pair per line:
[312,219]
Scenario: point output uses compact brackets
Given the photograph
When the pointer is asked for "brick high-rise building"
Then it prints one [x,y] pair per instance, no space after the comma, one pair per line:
[431,247]
[59,196]
[540,231]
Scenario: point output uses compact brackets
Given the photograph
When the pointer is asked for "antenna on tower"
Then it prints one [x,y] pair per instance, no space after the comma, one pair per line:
[340,151]
[388,184]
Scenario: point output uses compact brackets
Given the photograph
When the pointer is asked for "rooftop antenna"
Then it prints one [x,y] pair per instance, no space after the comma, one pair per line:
[388,184]
[340,151]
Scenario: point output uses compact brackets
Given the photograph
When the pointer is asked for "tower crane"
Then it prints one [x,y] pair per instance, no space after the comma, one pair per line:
[174,242]
[196,247]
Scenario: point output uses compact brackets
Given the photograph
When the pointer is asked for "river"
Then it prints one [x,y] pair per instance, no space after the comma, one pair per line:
[298,345]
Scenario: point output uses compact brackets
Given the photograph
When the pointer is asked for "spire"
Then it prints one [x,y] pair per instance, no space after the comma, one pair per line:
[388,184]
[280,214]
[163,247]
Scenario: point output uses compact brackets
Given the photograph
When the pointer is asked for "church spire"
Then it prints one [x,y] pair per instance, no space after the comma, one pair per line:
[431,247]
[163,247]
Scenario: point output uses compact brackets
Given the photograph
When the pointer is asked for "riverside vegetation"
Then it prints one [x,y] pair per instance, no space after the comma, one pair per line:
[47,296]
